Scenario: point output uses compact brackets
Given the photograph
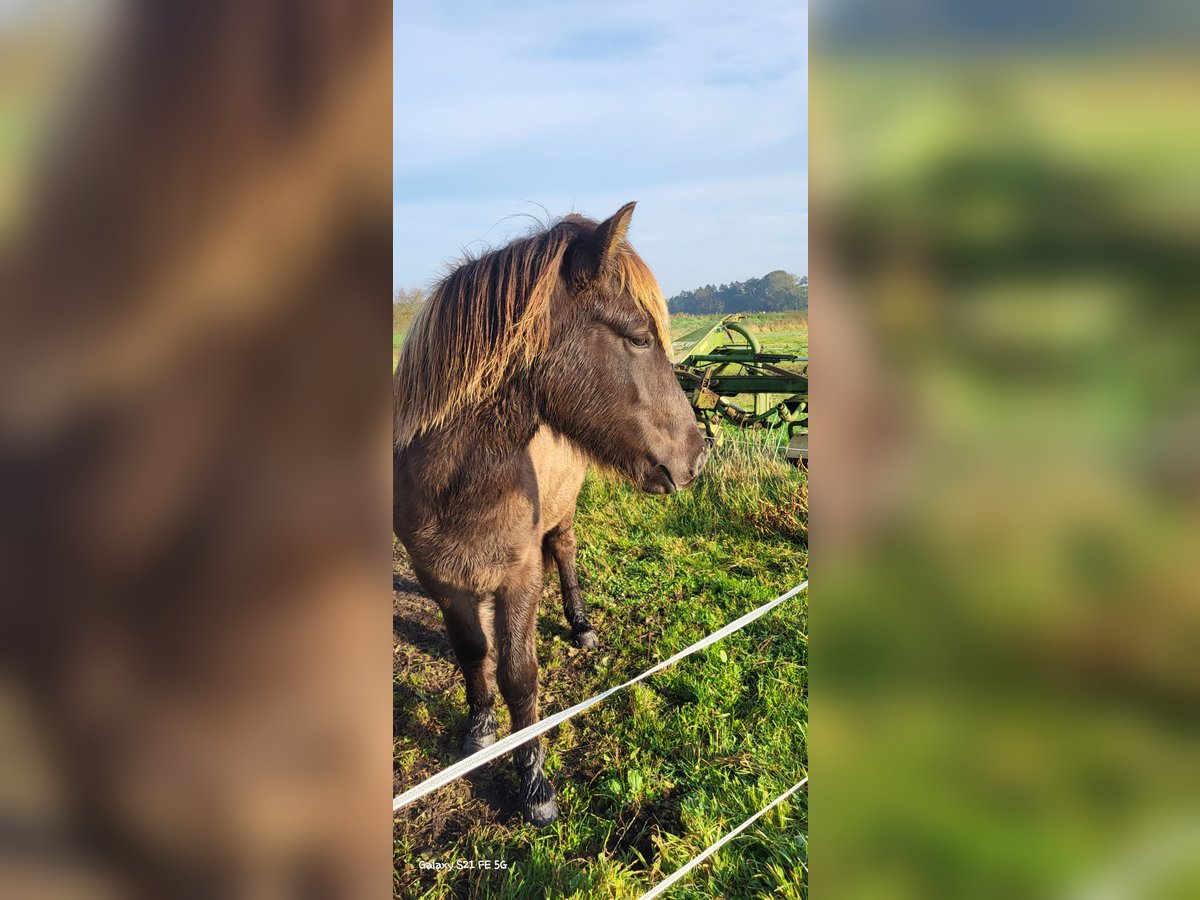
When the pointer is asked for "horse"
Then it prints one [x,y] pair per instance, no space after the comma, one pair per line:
[195,452]
[526,364]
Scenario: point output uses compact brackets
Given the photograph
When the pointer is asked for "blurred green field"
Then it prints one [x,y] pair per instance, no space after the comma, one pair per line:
[1009,615]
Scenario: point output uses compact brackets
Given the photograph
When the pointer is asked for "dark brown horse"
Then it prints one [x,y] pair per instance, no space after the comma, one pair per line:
[524,365]
[194,445]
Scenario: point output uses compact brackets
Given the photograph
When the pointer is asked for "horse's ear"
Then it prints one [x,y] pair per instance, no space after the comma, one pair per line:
[607,238]
[613,230]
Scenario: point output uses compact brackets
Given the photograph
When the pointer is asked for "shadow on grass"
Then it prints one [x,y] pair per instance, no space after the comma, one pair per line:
[433,643]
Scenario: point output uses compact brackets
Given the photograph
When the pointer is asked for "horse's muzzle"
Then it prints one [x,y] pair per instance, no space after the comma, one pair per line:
[660,479]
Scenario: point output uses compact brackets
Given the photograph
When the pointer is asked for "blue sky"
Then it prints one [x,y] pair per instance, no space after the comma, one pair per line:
[698,110]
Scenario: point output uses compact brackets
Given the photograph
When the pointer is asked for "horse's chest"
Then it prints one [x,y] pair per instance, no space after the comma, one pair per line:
[475,548]
[557,502]
[558,471]
[492,522]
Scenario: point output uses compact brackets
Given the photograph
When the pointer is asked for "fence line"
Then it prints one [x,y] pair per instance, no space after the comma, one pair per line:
[695,861]
[487,754]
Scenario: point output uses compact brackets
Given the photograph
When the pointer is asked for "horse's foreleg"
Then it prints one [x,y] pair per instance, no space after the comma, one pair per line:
[468,625]
[516,618]
[560,542]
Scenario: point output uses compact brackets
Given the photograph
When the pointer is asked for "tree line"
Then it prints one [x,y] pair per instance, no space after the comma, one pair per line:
[774,292]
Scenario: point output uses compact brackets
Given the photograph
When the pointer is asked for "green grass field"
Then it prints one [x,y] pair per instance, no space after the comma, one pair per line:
[656,773]
[783,332]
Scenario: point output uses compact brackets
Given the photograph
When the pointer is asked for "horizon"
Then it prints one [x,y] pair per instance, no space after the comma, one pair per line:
[424,289]
[699,113]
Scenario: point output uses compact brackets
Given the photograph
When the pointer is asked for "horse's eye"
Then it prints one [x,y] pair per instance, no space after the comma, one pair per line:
[640,341]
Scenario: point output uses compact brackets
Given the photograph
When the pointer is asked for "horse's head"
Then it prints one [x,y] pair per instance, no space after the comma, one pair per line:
[605,379]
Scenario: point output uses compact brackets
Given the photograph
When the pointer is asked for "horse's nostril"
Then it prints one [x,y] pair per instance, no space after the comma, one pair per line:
[667,479]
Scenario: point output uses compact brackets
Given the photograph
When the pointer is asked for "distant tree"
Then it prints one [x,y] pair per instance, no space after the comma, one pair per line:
[780,290]
[708,300]
[775,291]
[405,304]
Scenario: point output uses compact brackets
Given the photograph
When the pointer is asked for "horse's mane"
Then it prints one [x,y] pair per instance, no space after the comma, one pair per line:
[489,319]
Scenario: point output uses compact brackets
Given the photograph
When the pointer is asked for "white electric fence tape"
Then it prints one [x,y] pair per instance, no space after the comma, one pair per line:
[502,746]
[684,869]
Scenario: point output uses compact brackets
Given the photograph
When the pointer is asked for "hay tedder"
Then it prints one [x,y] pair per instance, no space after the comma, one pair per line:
[729,379]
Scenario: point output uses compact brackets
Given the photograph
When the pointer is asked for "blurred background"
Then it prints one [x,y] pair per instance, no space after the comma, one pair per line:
[194,446]
[1005,502]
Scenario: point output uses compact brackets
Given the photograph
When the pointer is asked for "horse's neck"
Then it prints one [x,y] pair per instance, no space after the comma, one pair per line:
[476,450]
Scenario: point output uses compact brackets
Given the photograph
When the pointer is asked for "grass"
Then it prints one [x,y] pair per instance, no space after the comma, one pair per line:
[781,332]
[655,774]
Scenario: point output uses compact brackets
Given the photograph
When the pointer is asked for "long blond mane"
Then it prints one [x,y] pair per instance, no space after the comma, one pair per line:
[489,319]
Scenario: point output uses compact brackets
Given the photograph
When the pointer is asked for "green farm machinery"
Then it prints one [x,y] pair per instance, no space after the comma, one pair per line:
[729,379]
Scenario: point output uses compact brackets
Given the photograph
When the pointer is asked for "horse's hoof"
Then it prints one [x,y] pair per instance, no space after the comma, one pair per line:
[476,742]
[585,640]
[541,814]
